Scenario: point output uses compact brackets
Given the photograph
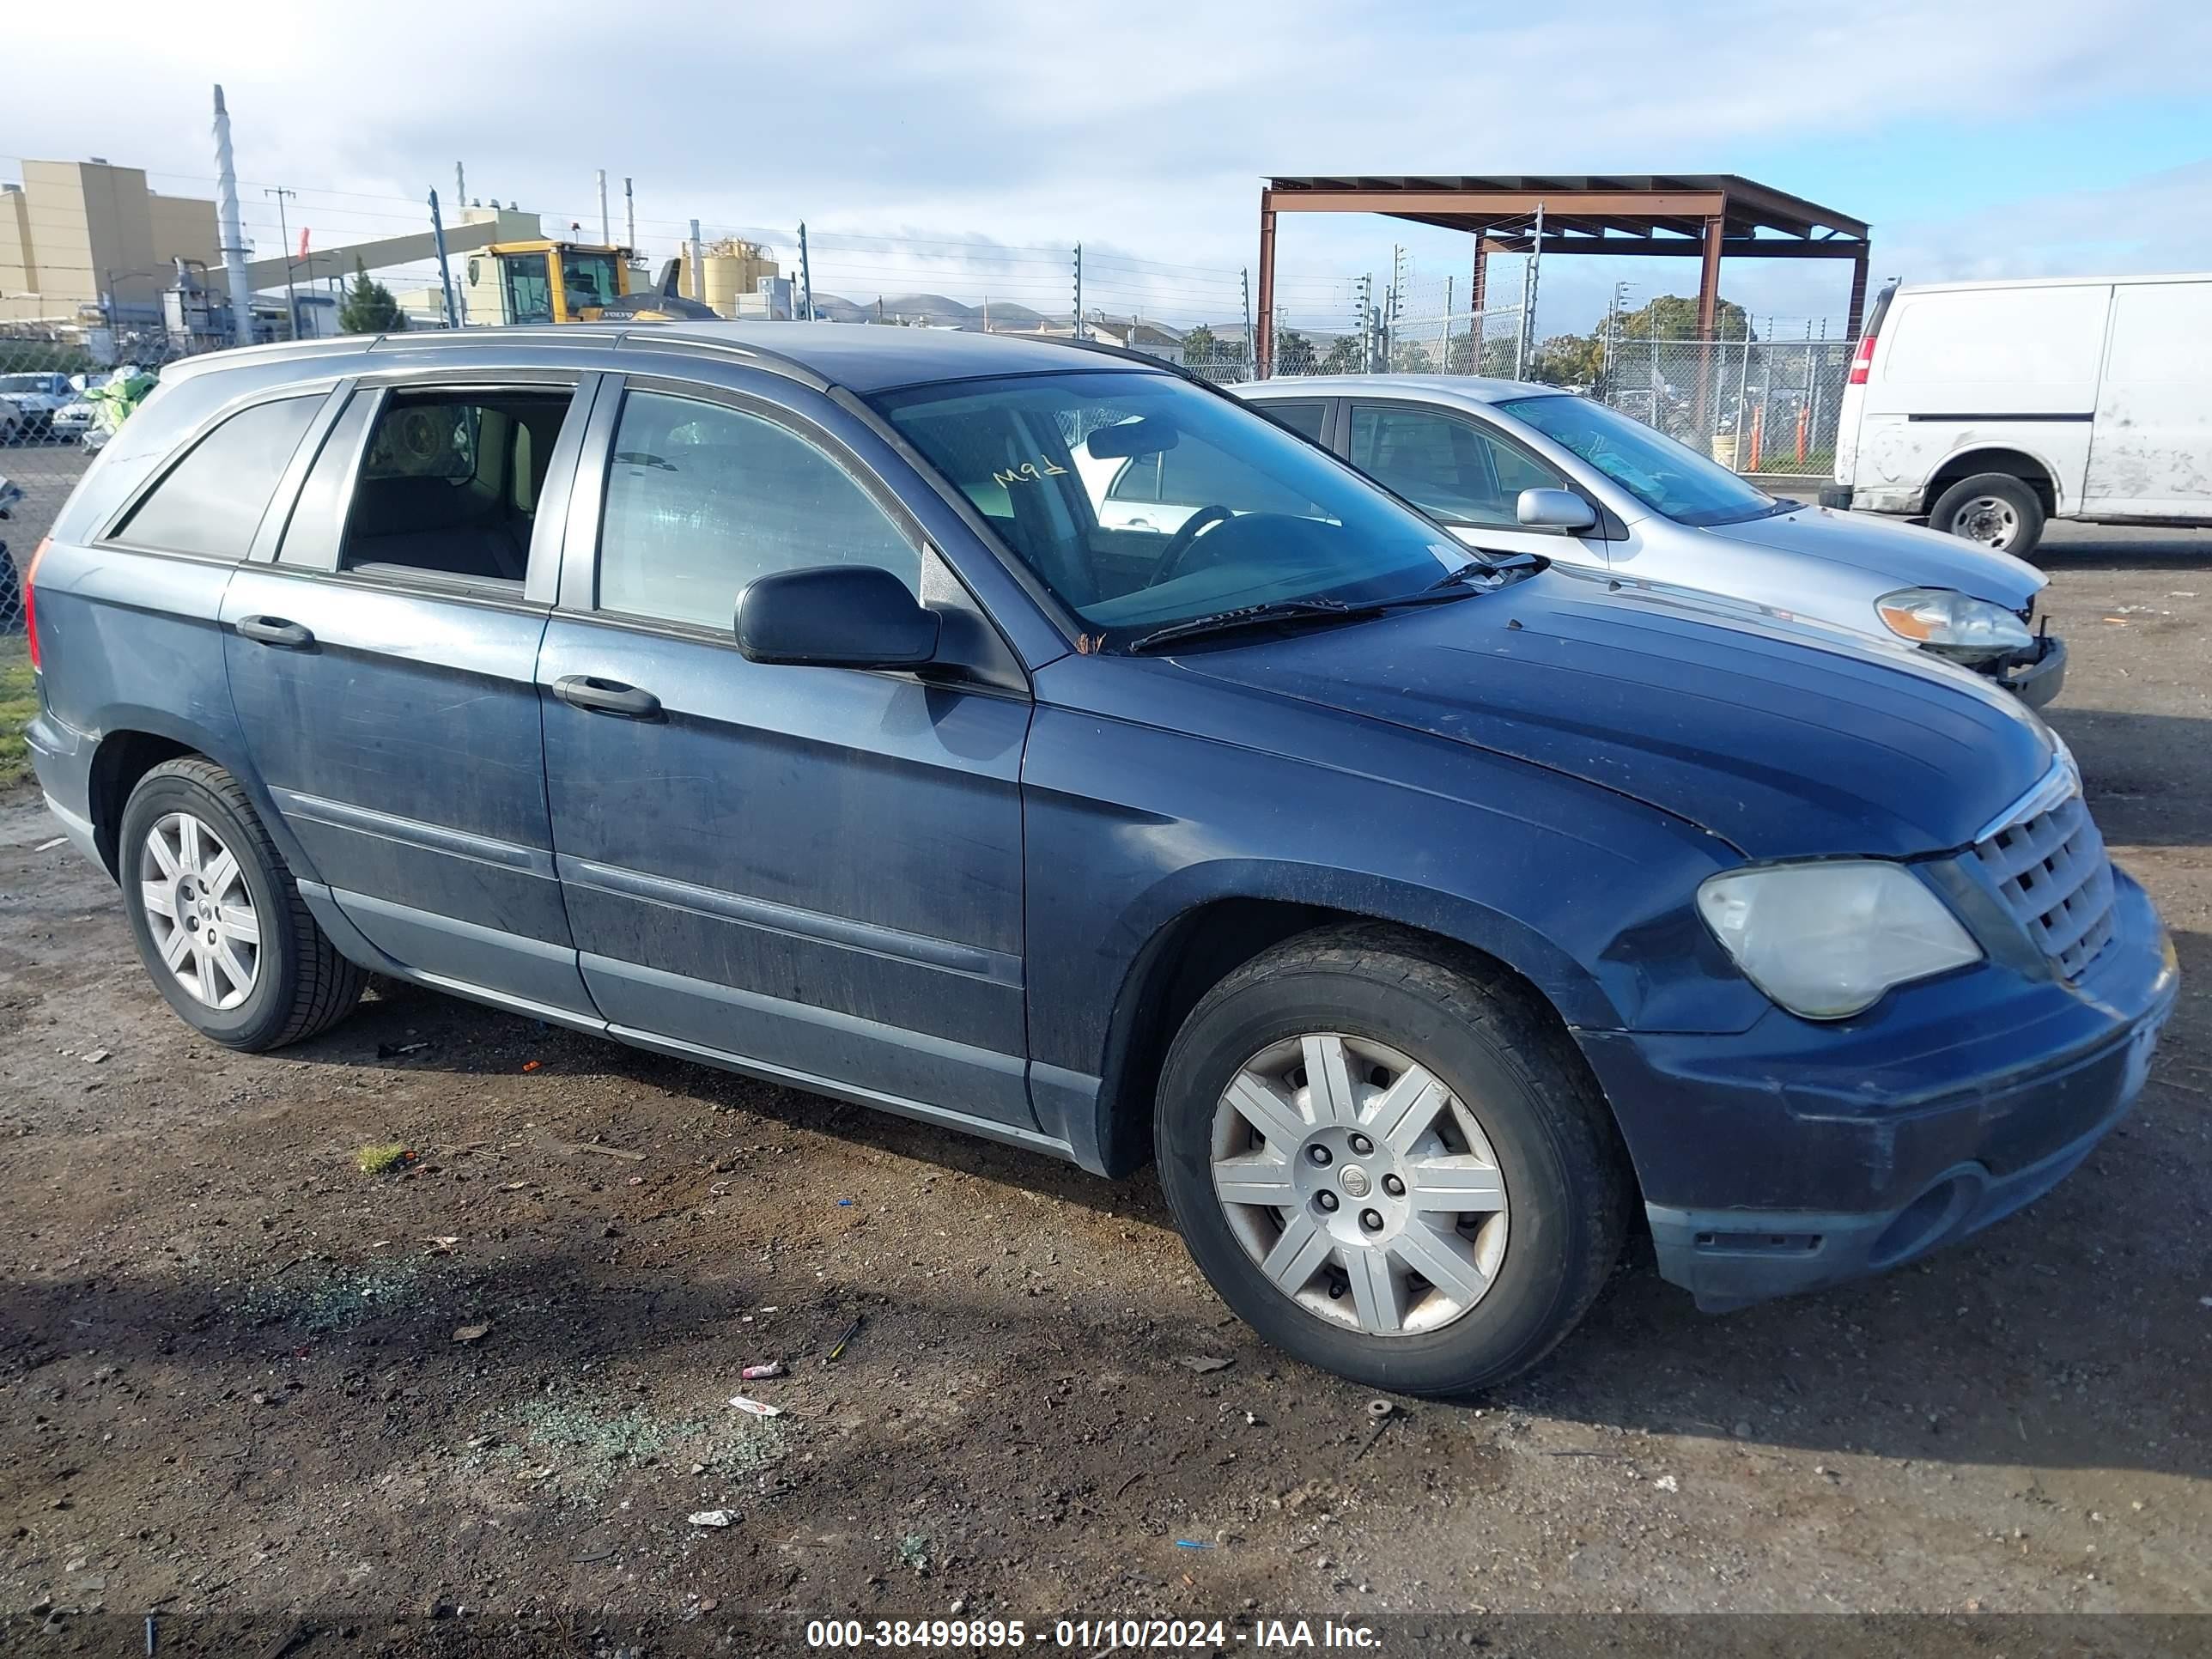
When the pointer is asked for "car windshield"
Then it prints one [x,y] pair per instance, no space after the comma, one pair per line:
[1665,476]
[1142,501]
[27,382]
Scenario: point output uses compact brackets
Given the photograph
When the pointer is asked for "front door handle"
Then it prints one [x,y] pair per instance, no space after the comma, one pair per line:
[606,696]
[274,630]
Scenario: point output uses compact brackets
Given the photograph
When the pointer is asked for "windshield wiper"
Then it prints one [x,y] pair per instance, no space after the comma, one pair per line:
[1275,610]
[1248,616]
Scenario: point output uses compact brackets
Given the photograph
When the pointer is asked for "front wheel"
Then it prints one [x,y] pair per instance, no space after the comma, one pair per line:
[217,918]
[1390,1163]
[1995,510]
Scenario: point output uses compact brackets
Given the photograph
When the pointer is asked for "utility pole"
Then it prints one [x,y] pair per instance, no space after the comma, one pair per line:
[1079,334]
[805,274]
[1529,278]
[1363,291]
[1246,275]
[284,235]
[233,238]
[445,275]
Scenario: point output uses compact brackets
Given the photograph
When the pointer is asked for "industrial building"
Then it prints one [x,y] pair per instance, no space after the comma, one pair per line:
[85,241]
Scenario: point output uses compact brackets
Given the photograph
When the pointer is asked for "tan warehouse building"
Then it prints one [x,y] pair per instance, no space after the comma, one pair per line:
[75,231]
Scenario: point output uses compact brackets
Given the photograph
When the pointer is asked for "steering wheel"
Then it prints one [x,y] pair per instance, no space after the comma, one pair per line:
[1179,544]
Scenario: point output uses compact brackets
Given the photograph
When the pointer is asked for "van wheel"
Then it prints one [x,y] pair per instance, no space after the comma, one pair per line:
[1996,509]
[217,918]
[1390,1163]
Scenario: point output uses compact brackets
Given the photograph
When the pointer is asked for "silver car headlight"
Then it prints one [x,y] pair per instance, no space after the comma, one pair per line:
[1828,941]
[1952,623]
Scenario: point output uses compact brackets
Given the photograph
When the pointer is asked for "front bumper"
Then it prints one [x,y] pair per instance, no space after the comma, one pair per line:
[2034,676]
[1795,1156]
[1838,495]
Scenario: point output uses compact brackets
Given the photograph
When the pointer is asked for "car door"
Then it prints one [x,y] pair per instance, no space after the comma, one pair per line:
[1462,470]
[2150,447]
[813,873]
[382,647]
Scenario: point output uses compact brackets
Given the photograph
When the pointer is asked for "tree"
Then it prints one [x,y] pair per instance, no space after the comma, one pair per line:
[1347,355]
[368,307]
[1200,346]
[1294,354]
[1671,317]
[1574,360]
[1411,357]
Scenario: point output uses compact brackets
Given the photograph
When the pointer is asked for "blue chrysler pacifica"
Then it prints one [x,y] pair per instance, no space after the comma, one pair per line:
[779,696]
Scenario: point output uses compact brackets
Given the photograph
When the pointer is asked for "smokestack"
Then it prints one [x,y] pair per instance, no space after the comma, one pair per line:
[606,225]
[233,237]
[630,218]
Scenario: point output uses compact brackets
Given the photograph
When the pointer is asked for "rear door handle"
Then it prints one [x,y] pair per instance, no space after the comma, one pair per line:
[606,696]
[274,630]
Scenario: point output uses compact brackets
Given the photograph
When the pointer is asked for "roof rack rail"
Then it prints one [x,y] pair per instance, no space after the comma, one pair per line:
[774,362]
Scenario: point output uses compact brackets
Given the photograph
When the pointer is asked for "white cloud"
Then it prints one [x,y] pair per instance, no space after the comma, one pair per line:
[1142,128]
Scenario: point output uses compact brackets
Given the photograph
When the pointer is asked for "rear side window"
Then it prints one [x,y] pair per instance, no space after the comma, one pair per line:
[1304,419]
[702,499]
[449,485]
[211,501]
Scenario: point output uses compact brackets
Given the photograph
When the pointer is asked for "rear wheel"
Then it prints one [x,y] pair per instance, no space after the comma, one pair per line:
[1996,510]
[217,918]
[1390,1163]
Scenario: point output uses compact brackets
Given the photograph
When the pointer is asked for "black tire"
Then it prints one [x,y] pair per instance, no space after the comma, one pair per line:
[1481,1033]
[301,985]
[1951,507]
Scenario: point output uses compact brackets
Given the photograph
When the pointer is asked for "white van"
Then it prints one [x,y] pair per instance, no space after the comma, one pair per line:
[1990,407]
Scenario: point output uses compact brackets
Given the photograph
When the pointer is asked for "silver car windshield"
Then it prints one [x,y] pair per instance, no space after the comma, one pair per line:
[1143,500]
[1667,476]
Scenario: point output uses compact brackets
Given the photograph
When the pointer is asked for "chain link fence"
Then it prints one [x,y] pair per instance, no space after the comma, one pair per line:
[60,397]
[1755,405]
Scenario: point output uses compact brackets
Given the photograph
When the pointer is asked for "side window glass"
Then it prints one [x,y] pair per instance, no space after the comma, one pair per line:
[1301,419]
[701,499]
[212,500]
[449,484]
[1444,463]
[319,517]
[1516,470]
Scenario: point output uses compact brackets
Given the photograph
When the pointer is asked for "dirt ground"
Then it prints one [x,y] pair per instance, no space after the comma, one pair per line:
[239,1376]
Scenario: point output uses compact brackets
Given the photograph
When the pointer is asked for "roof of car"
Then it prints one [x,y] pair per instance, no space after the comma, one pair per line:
[863,358]
[1429,388]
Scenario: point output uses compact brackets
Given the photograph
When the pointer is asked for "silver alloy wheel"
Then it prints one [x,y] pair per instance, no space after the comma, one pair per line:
[1991,521]
[199,910]
[1363,1187]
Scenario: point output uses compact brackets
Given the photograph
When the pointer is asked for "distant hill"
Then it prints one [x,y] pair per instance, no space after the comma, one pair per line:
[941,310]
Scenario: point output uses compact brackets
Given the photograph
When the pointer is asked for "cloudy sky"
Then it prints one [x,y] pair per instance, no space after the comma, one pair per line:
[961,147]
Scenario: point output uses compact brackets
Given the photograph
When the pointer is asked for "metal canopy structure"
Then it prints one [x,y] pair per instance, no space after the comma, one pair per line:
[1707,217]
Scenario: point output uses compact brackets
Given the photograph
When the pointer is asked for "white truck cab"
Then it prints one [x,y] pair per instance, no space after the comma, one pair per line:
[1992,407]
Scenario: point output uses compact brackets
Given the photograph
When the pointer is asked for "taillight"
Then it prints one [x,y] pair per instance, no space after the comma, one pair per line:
[30,607]
[1862,359]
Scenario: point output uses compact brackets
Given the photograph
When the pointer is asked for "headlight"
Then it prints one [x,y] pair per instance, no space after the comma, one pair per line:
[1826,940]
[1952,623]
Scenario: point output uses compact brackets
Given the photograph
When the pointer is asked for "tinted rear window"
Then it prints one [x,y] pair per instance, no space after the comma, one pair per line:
[212,500]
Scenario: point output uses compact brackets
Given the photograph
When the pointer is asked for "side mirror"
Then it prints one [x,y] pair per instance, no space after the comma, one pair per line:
[1553,509]
[837,616]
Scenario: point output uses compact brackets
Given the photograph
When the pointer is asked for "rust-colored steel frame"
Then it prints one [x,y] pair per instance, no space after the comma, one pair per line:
[1710,218]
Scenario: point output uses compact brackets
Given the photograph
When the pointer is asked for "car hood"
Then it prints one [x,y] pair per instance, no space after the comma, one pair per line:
[1788,739]
[1908,554]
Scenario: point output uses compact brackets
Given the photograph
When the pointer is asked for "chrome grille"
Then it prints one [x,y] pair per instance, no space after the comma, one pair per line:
[2052,871]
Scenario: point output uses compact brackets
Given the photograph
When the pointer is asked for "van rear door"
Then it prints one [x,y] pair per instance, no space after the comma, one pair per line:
[2150,449]
[1962,370]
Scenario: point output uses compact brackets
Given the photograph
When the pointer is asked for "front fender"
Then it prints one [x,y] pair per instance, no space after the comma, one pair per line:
[1130,827]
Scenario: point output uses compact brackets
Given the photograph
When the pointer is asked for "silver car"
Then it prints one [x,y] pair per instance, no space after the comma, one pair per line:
[1521,468]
